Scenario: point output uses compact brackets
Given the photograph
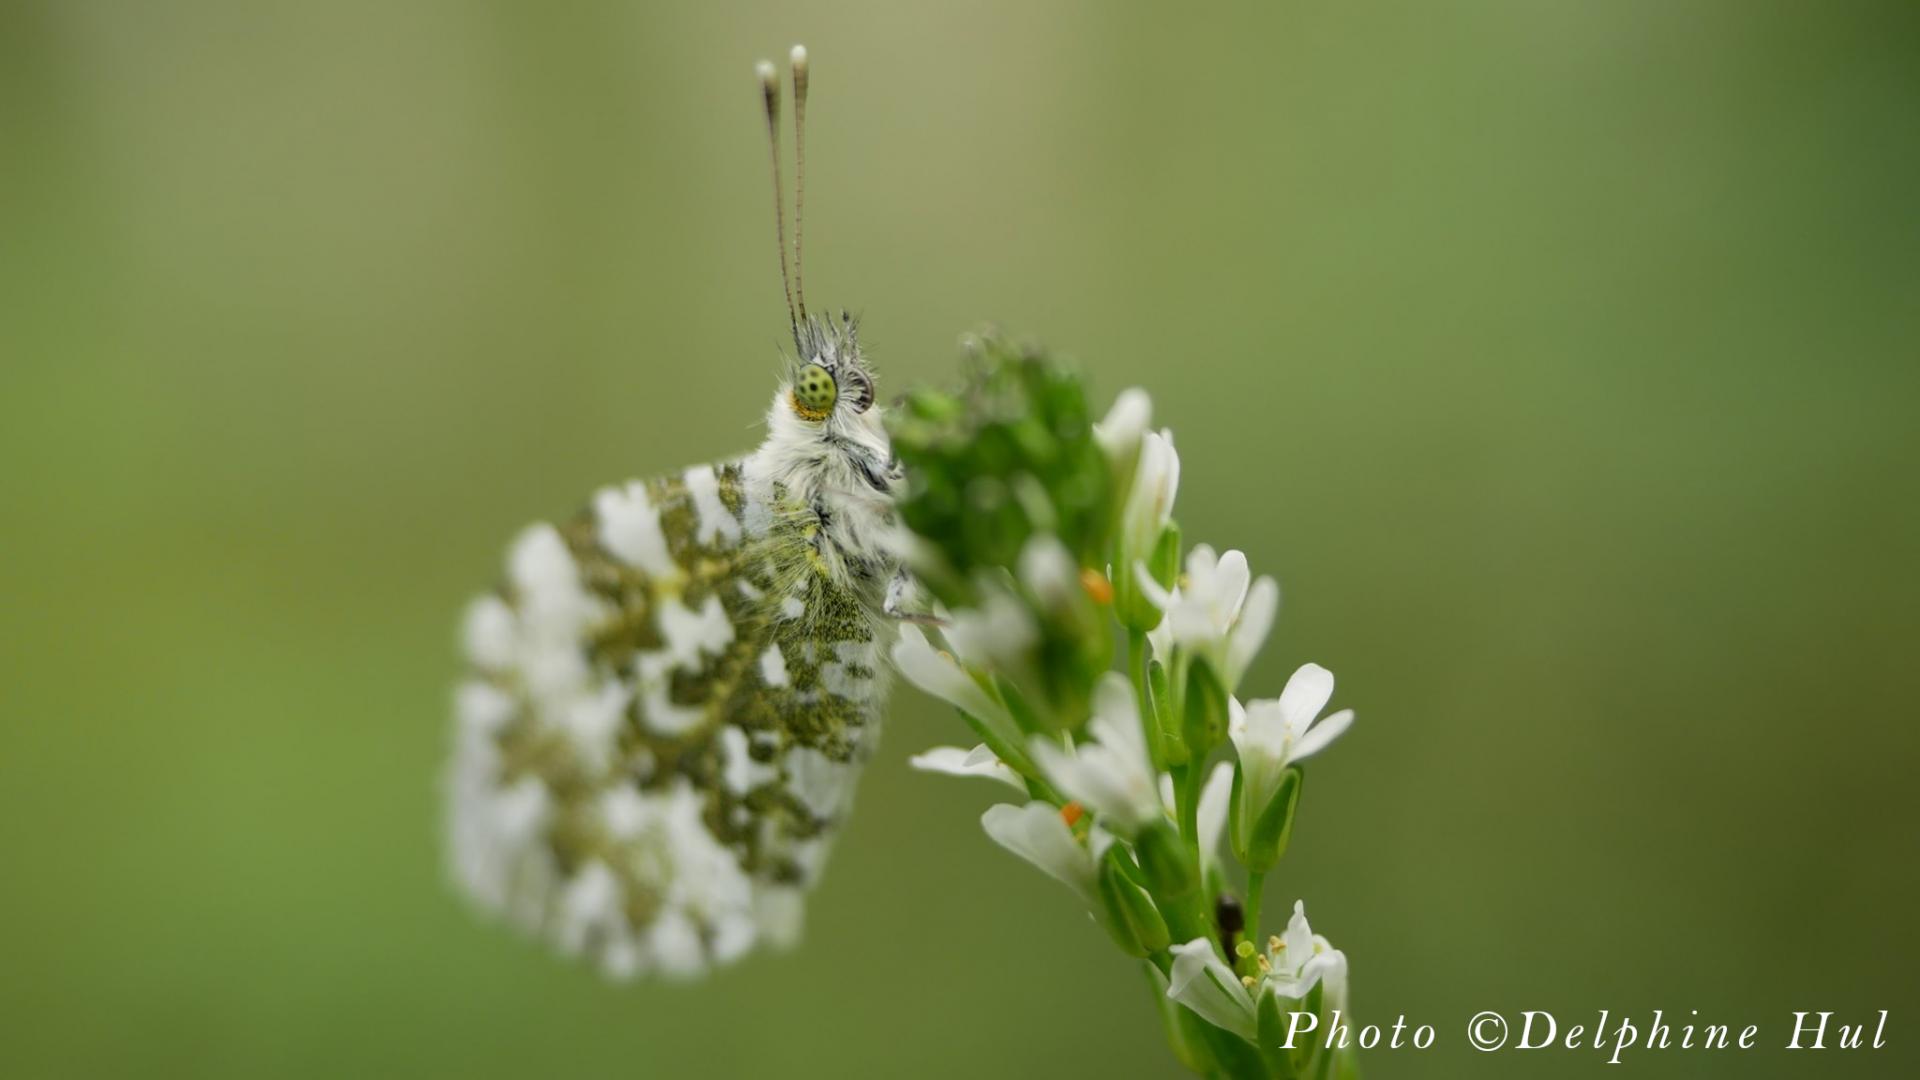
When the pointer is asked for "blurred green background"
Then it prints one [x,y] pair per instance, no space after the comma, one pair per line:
[1558,357]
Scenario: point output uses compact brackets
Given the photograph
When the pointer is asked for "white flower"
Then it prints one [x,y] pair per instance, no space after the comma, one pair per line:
[1272,734]
[1215,611]
[1048,569]
[1149,503]
[1039,834]
[994,635]
[942,676]
[1290,968]
[1204,983]
[1299,959]
[1112,775]
[979,761]
[1120,433]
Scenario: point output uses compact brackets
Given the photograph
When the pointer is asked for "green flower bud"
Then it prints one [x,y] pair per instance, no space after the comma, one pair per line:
[1203,723]
[1136,611]
[1171,746]
[1131,917]
[1173,876]
[1272,824]
[1165,564]
[1185,1031]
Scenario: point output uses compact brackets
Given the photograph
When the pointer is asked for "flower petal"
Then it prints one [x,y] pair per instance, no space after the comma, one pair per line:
[1256,621]
[1231,578]
[1038,834]
[939,675]
[1327,964]
[996,633]
[953,761]
[1215,798]
[1331,966]
[1306,693]
[1157,596]
[1125,424]
[1202,561]
[1050,571]
[1112,774]
[1204,983]
[1322,733]
[1149,502]
[1116,720]
[1296,943]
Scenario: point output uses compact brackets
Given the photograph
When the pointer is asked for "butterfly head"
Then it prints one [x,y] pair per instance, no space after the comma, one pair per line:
[830,375]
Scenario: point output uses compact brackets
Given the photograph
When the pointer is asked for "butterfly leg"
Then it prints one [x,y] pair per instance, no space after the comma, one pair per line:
[903,596]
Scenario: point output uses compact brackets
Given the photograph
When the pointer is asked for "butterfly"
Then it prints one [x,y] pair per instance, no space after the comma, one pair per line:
[670,695]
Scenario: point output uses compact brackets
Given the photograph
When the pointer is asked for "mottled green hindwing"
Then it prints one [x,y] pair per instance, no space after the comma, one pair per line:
[672,694]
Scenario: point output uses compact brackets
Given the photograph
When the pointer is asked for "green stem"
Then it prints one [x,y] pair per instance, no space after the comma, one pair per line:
[1040,789]
[1175,707]
[1143,693]
[1012,756]
[1256,885]
[1016,703]
[1188,780]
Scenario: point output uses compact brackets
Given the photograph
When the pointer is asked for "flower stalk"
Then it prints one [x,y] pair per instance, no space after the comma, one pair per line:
[1042,536]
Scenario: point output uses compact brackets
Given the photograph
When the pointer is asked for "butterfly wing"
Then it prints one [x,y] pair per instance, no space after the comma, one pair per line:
[670,699]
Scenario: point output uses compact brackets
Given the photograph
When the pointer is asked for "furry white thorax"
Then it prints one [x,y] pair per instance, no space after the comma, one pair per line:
[842,467]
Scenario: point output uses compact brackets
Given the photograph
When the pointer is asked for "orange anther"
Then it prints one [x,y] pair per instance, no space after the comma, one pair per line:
[1070,813]
[1097,585]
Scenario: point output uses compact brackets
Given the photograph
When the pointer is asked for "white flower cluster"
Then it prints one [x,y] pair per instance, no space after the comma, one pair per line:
[1112,786]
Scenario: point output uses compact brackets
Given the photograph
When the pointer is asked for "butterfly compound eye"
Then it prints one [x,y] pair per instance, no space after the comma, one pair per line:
[814,392]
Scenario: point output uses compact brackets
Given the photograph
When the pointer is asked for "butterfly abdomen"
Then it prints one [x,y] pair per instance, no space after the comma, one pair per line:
[671,695]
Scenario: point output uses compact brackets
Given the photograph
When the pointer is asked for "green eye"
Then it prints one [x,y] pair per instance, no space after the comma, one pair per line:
[814,392]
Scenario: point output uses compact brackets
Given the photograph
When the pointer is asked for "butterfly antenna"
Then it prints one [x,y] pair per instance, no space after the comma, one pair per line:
[799,57]
[770,93]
